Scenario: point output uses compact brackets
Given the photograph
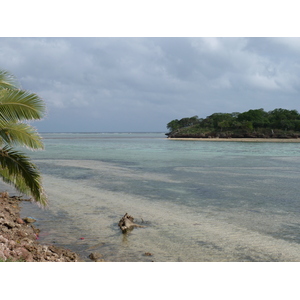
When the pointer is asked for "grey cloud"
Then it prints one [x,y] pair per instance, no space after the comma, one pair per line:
[140,84]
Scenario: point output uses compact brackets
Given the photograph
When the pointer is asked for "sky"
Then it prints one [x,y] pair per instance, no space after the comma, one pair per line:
[136,84]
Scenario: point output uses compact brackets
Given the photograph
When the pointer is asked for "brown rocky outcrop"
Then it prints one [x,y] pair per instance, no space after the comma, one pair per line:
[18,238]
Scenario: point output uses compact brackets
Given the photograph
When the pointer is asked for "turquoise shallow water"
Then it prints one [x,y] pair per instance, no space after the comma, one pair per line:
[199,201]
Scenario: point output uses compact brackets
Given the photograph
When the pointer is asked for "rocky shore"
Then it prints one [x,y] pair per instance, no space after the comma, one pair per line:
[241,135]
[252,140]
[19,238]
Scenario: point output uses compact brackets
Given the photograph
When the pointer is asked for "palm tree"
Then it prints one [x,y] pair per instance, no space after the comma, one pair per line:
[17,107]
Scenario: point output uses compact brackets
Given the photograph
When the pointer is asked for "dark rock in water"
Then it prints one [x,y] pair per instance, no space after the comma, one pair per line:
[95,256]
[29,220]
[126,223]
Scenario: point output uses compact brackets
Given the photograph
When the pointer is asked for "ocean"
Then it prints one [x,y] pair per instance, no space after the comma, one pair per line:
[199,201]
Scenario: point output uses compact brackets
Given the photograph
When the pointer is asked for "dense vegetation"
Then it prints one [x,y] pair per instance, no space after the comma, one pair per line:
[255,123]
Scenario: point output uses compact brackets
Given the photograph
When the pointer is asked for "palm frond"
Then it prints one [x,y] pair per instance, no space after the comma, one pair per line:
[16,107]
[20,134]
[17,169]
[20,105]
[7,80]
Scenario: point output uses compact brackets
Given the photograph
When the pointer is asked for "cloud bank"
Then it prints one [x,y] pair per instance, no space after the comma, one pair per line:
[140,84]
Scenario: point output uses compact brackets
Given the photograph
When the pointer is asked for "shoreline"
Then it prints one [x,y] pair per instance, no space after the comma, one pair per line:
[247,140]
[19,238]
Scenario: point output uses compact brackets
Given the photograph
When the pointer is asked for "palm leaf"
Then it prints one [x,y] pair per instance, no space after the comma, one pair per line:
[20,134]
[7,80]
[18,170]
[17,106]
[20,105]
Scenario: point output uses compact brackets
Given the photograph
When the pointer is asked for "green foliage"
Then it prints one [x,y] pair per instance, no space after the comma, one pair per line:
[20,105]
[16,108]
[220,120]
[285,119]
[7,80]
[185,122]
[17,169]
[254,120]
[258,117]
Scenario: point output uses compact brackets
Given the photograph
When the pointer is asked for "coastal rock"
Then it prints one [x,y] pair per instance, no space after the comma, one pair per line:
[9,224]
[3,240]
[126,223]
[20,221]
[96,256]
[4,195]
[22,254]
[29,220]
[18,238]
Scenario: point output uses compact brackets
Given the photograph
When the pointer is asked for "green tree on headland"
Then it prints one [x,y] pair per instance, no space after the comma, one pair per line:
[17,107]
[184,122]
[280,123]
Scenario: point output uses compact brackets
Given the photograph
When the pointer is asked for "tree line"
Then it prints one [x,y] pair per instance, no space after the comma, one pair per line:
[250,121]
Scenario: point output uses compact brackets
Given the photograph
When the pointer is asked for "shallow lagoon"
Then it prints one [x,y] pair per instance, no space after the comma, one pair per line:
[199,201]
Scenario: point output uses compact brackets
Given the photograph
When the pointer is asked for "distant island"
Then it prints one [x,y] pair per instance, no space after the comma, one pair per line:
[256,123]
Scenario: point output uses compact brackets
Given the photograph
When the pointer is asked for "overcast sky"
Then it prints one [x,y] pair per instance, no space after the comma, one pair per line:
[141,84]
